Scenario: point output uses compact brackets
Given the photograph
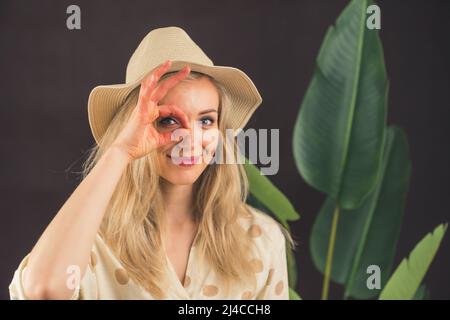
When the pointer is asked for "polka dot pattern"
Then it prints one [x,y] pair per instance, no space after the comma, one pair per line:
[187,281]
[210,290]
[254,230]
[257,265]
[108,277]
[279,287]
[121,276]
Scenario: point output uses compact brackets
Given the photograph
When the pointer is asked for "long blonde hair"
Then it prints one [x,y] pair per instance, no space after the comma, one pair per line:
[132,222]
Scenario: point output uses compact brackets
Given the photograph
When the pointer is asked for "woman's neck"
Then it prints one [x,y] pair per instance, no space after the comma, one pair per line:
[178,202]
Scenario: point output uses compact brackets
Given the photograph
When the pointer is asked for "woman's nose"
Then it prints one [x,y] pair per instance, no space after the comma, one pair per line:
[192,138]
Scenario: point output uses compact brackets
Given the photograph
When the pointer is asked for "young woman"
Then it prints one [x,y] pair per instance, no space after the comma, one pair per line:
[146,223]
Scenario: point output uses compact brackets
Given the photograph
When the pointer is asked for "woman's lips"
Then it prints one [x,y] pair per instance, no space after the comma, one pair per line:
[185,161]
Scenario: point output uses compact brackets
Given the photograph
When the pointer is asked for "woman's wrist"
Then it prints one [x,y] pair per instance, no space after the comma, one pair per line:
[118,152]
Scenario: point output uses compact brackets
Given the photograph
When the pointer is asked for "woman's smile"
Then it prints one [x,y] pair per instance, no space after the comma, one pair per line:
[184,161]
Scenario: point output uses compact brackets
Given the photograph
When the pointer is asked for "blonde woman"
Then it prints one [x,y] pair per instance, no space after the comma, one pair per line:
[145,223]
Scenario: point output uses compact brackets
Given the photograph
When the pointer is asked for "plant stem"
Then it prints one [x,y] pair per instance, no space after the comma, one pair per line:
[329,262]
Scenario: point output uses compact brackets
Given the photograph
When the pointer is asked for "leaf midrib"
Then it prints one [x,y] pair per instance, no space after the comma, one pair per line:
[369,219]
[353,101]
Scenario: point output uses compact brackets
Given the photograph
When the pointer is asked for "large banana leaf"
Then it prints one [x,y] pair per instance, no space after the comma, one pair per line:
[406,280]
[339,131]
[270,196]
[367,235]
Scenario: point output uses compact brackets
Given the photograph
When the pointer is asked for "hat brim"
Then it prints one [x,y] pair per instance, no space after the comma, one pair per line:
[105,100]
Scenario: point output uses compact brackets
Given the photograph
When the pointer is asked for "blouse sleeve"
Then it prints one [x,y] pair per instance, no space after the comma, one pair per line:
[85,290]
[276,284]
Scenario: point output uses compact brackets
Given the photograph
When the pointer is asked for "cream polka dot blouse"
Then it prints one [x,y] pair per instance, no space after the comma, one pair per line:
[105,277]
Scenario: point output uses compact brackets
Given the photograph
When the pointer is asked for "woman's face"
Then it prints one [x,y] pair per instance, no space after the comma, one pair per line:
[183,162]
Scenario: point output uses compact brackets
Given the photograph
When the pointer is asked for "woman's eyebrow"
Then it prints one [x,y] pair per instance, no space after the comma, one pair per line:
[207,111]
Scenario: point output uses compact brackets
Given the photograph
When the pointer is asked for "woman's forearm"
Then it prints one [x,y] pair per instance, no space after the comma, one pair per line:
[68,239]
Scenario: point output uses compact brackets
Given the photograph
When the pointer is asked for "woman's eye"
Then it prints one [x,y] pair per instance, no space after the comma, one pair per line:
[207,121]
[167,121]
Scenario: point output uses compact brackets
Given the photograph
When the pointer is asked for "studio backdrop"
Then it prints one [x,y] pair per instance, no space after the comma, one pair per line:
[299,55]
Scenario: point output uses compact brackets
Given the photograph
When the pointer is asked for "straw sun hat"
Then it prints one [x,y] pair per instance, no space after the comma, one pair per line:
[175,44]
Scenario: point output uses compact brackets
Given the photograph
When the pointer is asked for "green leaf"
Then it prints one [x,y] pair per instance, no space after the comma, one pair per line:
[292,267]
[406,279]
[367,235]
[422,293]
[339,132]
[270,196]
[293,295]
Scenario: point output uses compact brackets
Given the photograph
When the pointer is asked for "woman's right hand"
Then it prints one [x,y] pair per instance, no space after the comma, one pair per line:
[139,136]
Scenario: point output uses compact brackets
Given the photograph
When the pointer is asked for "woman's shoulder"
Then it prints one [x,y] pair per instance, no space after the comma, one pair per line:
[261,225]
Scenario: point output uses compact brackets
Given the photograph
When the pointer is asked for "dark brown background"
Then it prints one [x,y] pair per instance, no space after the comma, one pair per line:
[47,72]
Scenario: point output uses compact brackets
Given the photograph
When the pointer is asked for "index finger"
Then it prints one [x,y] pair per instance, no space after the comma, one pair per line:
[169,83]
[154,76]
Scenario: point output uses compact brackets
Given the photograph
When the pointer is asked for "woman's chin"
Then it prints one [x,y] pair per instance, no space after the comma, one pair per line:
[179,175]
[180,179]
